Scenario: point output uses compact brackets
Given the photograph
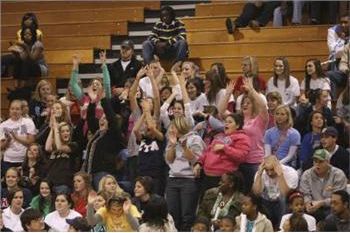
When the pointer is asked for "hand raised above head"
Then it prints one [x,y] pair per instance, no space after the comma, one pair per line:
[103,56]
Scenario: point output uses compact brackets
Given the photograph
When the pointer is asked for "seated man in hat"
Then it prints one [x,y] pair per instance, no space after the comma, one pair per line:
[168,38]
[319,182]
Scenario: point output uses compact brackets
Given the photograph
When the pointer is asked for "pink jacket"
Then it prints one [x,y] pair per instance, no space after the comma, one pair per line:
[237,146]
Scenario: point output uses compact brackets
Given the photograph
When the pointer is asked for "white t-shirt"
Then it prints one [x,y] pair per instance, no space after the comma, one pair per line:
[125,64]
[311,221]
[288,94]
[57,223]
[15,153]
[198,103]
[12,221]
[319,83]
[271,190]
[146,86]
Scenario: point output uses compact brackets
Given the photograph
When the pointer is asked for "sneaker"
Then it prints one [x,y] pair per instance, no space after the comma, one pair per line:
[230,26]
[255,25]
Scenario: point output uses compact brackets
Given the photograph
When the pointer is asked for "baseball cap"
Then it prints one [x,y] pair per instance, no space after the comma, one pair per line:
[79,224]
[321,154]
[127,44]
[330,131]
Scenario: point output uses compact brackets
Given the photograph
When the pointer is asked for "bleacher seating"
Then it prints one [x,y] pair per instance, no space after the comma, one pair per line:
[87,25]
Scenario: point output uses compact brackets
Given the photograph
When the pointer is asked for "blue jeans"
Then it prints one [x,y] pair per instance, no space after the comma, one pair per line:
[274,210]
[338,80]
[177,50]
[181,197]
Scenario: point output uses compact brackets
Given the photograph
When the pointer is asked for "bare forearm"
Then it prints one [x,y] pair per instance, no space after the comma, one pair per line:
[283,185]
[258,186]
[170,154]
[25,140]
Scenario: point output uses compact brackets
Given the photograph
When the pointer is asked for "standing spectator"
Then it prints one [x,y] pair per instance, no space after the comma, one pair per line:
[57,220]
[11,215]
[283,140]
[318,183]
[256,14]
[284,83]
[32,220]
[38,106]
[251,219]
[124,68]
[168,37]
[62,152]
[15,134]
[338,220]
[182,152]
[297,206]
[273,182]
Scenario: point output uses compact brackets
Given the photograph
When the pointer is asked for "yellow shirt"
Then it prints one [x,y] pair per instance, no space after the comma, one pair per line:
[120,223]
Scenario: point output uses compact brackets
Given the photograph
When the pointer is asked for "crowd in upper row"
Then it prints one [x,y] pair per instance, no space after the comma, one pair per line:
[143,150]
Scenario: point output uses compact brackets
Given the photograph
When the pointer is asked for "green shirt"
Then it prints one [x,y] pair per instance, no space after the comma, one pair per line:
[46,208]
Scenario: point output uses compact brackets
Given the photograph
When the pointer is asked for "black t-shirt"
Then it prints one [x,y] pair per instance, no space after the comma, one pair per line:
[61,166]
[151,161]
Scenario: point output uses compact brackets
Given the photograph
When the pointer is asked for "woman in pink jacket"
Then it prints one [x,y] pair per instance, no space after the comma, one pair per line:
[225,152]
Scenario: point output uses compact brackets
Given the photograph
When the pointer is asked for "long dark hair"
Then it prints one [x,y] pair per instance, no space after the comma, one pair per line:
[222,73]
[318,70]
[43,199]
[286,72]
[32,16]
[155,212]
[34,35]
[215,87]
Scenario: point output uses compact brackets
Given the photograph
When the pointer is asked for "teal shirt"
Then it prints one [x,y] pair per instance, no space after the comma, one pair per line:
[47,205]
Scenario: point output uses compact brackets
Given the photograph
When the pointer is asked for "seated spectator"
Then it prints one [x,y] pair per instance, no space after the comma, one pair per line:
[312,138]
[143,192]
[273,182]
[27,58]
[342,117]
[15,134]
[255,14]
[30,20]
[274,99]
[251,219]
[338,220]
[57,220]
[32,220]
[101,200]
[12,180]
[82,188]
[284,83]
[118,215]
[2,227]
[109,185]
[219,68]
[11,215]
[283,10]
[223,200]
[283,140]
[156,217]
[190,71]
[201,224]
[295,223]
[168,37]
[297,206]
[318,102]
[318,182]
[44,202]
[124,68]
[78,224]
[213,88]
[227,224]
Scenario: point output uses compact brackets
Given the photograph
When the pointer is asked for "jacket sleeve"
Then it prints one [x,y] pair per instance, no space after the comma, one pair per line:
[154,37]
[305,186]
[106,81]
[238,150]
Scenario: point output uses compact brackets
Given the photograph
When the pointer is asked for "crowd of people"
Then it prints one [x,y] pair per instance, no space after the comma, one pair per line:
[146,150]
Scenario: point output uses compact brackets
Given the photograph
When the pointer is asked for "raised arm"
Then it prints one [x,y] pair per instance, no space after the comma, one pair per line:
[259,102]
[133,89]
[222,107]
[91,217]
[106,77]
[137,127]
[155,89]
[73,83]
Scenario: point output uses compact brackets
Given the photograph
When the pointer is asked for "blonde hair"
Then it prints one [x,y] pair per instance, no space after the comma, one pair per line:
[289,114]
[65,115]
[181,125]
[102,183]
[254,67]
[41,83]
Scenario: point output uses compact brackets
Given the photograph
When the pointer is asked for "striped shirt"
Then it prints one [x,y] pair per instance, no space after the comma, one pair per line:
[170,33]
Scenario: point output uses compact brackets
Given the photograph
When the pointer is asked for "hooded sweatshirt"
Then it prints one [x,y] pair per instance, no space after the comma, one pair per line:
[261,223]
[236,148]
